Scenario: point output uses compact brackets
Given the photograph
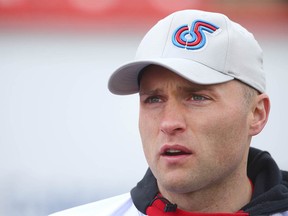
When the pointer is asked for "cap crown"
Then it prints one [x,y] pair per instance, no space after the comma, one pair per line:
[202,47]
[211,39]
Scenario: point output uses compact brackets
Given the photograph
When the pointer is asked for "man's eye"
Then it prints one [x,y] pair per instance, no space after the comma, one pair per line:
[153,99]
[198,98]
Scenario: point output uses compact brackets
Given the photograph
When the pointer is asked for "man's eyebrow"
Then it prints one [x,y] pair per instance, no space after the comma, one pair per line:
[150,92]
[195,88]
[189,88]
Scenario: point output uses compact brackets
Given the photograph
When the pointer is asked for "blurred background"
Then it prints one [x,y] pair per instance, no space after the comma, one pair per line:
[64,139]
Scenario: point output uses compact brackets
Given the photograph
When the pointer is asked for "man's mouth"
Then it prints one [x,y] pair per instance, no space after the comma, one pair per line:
[175,151]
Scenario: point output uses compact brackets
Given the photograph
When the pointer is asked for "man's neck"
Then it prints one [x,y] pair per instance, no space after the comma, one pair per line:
[228,197]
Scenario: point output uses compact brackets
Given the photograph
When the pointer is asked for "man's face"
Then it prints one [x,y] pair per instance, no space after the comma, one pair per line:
[194,136]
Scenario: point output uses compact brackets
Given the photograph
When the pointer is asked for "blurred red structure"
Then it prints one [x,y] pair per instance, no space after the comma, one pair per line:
[130,15]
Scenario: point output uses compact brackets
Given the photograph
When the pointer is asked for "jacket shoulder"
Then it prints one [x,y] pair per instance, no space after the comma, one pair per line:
[118,205]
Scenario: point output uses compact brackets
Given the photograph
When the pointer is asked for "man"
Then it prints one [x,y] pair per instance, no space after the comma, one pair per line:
[202,98]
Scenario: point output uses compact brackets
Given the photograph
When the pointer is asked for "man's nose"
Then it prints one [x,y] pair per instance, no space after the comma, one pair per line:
[173,120]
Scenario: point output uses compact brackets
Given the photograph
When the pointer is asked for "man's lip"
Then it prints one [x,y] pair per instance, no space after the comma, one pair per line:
[165,148]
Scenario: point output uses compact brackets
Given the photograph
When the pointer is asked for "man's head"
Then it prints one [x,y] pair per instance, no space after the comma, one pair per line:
[201,85]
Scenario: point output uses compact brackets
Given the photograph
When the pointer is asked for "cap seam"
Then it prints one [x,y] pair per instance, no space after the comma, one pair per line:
[228,47]
[166,41]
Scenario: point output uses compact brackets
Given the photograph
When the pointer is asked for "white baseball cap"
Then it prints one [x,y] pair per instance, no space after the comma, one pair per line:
[202,47]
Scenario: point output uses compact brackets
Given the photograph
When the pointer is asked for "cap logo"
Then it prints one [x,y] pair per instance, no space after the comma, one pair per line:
[193,38]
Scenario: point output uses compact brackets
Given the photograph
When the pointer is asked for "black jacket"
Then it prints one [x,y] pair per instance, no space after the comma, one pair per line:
[270,194]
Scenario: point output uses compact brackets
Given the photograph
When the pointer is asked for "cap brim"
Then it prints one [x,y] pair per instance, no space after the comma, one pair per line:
[124,80]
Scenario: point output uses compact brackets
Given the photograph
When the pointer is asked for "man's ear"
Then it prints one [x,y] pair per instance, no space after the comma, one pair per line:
[260,113]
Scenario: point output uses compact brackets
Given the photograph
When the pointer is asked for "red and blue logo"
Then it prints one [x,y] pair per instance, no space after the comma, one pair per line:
[193,38]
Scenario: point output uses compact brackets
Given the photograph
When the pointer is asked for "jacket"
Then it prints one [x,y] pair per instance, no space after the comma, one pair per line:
[270,195]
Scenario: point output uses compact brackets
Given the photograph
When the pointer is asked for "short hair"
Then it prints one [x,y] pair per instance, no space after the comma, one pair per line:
[249,93]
